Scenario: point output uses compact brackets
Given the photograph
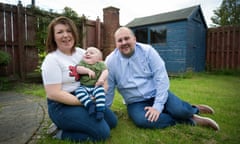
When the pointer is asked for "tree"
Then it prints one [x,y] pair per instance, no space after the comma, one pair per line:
[227,14]
[70,13]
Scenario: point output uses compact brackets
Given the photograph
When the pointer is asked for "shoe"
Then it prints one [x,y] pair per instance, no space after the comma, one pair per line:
[99,115]
[52,130]
[91,108]
[204,109]
[204,121]
[58,135]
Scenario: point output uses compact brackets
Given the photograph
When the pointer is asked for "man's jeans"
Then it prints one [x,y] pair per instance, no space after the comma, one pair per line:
[175,111]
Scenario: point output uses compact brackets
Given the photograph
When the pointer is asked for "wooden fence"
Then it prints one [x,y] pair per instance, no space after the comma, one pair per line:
[18,36]
[223,48]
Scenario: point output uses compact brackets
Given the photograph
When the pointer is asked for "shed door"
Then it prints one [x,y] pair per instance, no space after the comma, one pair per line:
[198,36]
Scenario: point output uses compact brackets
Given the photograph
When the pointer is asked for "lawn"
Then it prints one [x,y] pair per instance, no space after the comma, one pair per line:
[219,91]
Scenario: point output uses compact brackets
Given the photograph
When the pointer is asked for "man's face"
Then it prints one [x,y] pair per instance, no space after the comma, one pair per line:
[125,42]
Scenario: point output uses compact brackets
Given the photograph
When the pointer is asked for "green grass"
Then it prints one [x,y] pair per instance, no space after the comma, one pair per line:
[219,91]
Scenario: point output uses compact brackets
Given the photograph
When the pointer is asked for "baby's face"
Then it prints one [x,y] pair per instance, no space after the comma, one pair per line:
[91,56]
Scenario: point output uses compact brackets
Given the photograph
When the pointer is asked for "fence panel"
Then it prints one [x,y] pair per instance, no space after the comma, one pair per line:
[31,52]
[223,48]
[8,38]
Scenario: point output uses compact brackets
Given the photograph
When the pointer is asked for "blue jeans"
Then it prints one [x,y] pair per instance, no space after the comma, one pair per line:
[175,111]
[77,125]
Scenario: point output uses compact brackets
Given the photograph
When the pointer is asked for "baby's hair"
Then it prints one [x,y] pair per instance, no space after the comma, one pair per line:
[98,51]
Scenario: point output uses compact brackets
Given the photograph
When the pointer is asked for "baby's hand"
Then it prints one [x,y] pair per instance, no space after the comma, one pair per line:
[91,73]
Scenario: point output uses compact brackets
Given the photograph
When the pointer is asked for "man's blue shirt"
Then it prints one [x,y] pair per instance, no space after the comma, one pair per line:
[139,77]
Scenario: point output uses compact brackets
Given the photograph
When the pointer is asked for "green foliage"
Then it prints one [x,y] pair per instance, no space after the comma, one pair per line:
[70,13]
[4,58]
[43,19]
[227,14]
[41,56]
[5,84]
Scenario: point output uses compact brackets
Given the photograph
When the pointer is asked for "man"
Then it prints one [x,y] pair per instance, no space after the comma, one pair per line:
[139,74]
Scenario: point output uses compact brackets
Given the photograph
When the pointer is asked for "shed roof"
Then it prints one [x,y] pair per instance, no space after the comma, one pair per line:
[164,17]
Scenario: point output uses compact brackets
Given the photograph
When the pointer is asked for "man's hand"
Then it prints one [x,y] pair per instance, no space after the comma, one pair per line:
[151,114]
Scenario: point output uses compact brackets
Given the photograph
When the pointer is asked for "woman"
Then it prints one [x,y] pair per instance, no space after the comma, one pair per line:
[64,109]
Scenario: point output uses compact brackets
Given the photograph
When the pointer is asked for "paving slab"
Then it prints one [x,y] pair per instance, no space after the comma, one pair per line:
[20,117]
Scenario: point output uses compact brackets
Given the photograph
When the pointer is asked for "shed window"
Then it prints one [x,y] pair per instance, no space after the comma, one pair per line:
[141,35]
[158,35]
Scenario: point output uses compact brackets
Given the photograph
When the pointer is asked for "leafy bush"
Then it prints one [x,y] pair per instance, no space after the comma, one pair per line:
[5,84]
[4,58]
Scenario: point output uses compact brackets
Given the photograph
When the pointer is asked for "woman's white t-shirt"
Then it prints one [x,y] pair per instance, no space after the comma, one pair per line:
[55,69]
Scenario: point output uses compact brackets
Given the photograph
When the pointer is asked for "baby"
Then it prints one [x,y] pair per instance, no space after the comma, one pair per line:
[92,73]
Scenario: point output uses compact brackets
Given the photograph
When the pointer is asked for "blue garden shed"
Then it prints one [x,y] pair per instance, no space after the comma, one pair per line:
[179,37]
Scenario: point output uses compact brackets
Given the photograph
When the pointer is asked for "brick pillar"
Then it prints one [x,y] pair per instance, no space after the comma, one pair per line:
[110,24]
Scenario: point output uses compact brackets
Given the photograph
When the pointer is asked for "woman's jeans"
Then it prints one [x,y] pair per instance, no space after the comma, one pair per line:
[175,111]
[77,125]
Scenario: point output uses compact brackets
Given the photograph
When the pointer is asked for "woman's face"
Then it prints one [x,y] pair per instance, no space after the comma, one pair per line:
[63,38]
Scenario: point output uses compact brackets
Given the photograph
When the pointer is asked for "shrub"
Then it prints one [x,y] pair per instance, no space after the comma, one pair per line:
[5,84]
[4,58]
